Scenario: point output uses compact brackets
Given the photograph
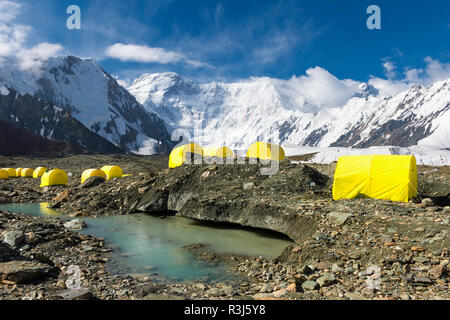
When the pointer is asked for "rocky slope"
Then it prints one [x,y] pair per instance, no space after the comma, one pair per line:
[13,140]
[350,249]
[90,95]
[286,113]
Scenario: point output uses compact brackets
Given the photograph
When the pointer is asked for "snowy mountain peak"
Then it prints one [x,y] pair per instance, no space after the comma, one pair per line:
[92,96]
[292,112]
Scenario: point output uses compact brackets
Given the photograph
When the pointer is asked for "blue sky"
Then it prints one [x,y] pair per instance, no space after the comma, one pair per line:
[229,40]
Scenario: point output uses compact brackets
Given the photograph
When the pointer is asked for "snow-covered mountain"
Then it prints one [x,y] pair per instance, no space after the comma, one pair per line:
[82,89]
[238,114]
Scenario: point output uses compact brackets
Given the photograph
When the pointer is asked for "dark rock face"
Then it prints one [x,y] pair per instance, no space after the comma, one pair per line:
[14,140]
[28,120]
[217,194]
[92,182]
[23,271]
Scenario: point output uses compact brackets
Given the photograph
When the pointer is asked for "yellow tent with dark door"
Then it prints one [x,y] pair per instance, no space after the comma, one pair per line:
[178,156]
[221,152]
[4,174]
[92,173]
[387,177]
[112,172]
[54,177]
[11,172]
[38,172]
[266,151]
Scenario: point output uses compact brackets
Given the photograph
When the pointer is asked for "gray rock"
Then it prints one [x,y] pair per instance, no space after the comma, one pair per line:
[213,292]
[309,285]
[14,237]
[338,218]
[336,268]
[92,182]
[326,280]
[76,294]
[23,271]
[248,185]
[76,224]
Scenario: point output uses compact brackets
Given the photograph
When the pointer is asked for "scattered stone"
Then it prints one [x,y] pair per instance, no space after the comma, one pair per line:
[248,185]
[310,285]
[326,280]
[13,238]
[338,218]
[76,294]
[76,224]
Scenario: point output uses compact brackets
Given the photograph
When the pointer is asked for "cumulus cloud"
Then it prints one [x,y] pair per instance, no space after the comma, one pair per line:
[434,71]
[320,88]
[146,54]
[13,38]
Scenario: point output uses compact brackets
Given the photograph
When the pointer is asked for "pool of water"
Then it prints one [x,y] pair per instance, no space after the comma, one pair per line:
[148,244]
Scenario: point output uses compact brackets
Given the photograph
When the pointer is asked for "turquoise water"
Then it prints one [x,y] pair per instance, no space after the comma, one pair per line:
[153,245]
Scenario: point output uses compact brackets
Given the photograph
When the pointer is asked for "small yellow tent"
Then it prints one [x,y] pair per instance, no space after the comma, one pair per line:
[26,173]
[387,177]
[221,152]
[91,173]
[4,174]
[178,156]
[266,151]
[54,177]
[18,172]
[39,171]
[11,172]
[112,172]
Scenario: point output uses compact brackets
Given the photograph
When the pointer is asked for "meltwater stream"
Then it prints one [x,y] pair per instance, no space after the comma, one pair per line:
[148,244]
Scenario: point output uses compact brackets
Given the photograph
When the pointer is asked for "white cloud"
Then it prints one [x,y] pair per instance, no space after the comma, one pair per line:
[13,38]
[9,10]
[31,59]
[434,71]
[146,54]
[319,88]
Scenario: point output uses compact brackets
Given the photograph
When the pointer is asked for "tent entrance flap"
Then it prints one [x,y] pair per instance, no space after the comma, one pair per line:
[387,177]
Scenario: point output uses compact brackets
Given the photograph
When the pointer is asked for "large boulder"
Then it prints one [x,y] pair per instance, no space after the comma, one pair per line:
[23,271]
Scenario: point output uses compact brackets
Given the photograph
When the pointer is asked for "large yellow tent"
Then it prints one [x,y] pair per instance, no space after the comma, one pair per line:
[26,173]
[221,152]
[4,174]
[54,177]
[39,171]
[178,156]
[112,172]
[266,151]
[91,173]
[11,172]
[387,177]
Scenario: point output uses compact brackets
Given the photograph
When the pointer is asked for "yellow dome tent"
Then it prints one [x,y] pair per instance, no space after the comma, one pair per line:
[266,151]
[39,171]
[112,172]
[4,174]
[54,177]
[18,172]
[221,152]
[387,177]
[26,173]
[11,172]
[178,156]
[91,173]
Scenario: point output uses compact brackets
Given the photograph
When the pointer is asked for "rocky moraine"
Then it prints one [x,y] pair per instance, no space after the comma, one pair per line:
[350,249]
